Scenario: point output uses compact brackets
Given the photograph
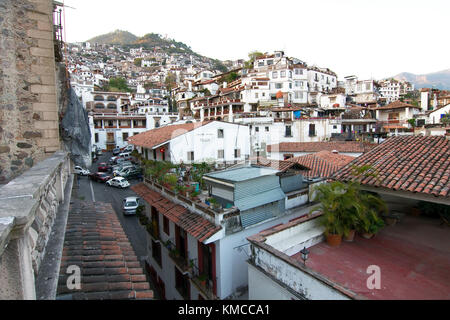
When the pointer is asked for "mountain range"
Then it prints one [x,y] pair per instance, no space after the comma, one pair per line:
[438,80]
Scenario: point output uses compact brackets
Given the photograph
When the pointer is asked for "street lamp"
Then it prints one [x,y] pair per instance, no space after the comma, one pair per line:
[304,253]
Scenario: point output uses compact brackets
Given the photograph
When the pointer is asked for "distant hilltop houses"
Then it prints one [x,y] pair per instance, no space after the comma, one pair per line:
[280,99]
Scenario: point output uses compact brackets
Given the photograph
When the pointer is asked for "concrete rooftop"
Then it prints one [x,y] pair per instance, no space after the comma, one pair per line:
[413,255]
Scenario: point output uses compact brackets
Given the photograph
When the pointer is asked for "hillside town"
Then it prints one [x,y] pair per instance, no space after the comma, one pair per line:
[156,173]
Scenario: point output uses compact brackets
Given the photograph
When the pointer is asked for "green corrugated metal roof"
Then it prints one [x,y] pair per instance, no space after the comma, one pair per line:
[242,174]
[260,199]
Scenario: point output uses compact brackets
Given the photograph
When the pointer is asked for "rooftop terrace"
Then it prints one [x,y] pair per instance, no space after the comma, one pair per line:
[413,255]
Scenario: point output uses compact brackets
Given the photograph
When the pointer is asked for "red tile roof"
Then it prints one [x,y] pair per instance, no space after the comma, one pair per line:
[323,164]
[96,243]
[193,223]
[281,165]
[340,146]
[407,163]
[155,137]
[397,105]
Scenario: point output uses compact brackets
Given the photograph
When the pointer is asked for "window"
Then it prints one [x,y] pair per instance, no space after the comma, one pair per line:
[335,127]
[220,133]
[267,129]
[269,62]
[298,71]
[182,284]
[290,74]
[298,95]
[190,155]
[256,129]
[288,132]
[261,63]
[287,156]
[156,252]
[135,133]
[166,225]
[283,74]
[367,86]
[312,129]
[298,83]
[278,85]
[275,74]
[256,95]
[96,138]
[220,154]
[125,136]
[290,85]
[237,153]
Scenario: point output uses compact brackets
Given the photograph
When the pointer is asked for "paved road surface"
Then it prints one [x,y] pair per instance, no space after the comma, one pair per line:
[95,191]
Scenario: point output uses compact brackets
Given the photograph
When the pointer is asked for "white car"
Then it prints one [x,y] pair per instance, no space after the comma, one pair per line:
[79,170]
[118,182]
[128,148]
[130,205]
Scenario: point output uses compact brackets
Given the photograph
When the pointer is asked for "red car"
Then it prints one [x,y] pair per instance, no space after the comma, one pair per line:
[103,167]
[99,176]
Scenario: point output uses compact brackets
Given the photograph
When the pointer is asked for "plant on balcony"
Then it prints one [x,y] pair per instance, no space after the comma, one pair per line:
[203,278]
[194,195]
[181,189]
[170,181]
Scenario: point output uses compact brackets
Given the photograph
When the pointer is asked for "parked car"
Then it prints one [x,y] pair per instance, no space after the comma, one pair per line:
[118,182]
[112,159]
[103,167]
[129,148]
[133,173]
[130,205]
[116,151]
[122,169]
[99,176]
[79,170]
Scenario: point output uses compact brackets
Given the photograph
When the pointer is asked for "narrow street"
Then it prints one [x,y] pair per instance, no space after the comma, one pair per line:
[95,191]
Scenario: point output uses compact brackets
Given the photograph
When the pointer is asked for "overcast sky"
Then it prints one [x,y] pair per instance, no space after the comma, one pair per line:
[368,38]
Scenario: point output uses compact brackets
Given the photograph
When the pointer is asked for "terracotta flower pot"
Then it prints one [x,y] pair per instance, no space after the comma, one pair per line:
[390,221]
[334,240]
[367,235]
[350,237]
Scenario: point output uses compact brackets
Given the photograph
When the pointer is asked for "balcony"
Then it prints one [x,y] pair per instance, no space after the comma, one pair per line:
[203,284]
[180,261]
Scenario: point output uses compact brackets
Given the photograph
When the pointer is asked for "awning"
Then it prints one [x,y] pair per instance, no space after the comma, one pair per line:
[259,199]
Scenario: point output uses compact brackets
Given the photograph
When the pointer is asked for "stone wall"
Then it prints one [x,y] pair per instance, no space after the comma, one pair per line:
[30,205]
[29,121]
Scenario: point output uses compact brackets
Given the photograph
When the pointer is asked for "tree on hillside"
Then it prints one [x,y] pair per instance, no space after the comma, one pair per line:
[252,57]
[218,65]
[138,62]
[118,85]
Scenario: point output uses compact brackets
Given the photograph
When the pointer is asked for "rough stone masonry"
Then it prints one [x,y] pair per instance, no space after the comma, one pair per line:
[29,120]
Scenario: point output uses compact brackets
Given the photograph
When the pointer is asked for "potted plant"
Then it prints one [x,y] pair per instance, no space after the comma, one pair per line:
[333,204]
[371,224]
[202,278]
[194,195]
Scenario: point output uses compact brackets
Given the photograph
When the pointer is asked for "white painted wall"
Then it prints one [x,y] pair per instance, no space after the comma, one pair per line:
[205,143]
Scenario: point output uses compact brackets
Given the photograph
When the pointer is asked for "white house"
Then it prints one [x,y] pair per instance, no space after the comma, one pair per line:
[214,141]
[114,129]
[195,252]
